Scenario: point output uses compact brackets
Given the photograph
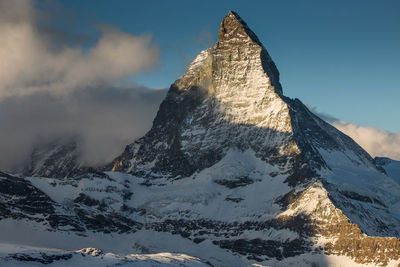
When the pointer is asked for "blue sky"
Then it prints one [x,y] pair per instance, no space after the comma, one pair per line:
[341,57]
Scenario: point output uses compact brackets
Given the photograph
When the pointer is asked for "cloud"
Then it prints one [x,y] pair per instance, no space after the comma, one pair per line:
[105,118]
[376,141]
[325,116]
[56,82]
[31,63]
[205,38]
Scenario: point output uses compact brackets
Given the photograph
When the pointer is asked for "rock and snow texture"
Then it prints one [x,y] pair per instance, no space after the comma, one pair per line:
[17,255]
[57,158]
[232,172]
[12,255]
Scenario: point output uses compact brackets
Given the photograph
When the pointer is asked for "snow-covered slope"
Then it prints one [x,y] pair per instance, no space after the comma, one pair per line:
[12,255]
[392,167]
[232,172]
[17,255]
[222,223]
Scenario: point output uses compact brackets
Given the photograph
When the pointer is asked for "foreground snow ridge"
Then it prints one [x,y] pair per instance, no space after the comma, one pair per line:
[15,255]
[12,255]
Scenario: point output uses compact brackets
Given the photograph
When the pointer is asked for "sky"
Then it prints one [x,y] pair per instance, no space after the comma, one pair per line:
[341,57]
[99,69]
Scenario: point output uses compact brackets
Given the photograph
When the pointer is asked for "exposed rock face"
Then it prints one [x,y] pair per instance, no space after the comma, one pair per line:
[233,165]
[20,199]
[326,221]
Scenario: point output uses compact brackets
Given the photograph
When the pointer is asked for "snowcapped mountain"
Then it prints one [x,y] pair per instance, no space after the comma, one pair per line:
[232,172]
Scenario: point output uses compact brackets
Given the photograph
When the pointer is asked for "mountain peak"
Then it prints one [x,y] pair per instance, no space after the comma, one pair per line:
[230,98]
[233,27]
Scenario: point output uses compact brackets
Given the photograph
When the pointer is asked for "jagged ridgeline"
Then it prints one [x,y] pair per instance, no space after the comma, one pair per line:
[233,172]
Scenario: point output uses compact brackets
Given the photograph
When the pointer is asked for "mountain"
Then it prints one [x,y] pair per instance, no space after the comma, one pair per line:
[232,171]
[57,158]
[392,167]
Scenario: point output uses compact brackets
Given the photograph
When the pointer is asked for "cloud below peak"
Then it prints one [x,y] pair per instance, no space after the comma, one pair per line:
[105,119]
[375,141]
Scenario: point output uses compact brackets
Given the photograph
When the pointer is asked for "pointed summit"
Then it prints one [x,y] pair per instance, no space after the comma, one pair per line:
[234,34]
[233,27]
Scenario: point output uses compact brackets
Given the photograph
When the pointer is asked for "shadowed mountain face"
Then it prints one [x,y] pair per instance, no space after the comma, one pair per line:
[391,167]
[234,172]
[58,158]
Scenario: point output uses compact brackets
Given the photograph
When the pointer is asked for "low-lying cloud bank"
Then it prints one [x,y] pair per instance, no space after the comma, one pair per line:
[106,119]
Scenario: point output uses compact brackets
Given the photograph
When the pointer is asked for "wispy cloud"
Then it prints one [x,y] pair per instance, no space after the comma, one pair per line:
[375,141]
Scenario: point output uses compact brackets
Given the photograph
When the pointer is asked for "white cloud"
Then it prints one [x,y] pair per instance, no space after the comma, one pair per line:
[376,141]
[29,63]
